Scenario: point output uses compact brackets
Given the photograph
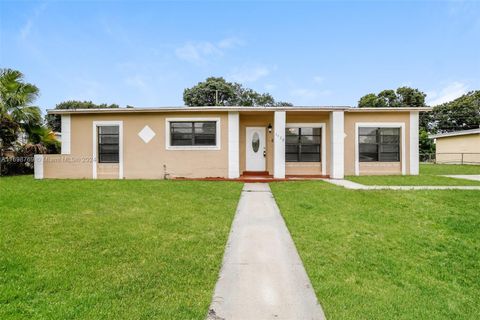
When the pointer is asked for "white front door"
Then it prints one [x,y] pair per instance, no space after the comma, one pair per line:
[256,149]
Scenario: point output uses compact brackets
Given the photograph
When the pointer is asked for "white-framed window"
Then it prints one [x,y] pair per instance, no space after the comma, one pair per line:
[377,138]
[109,128]
[303,144]
[192,133]
[314,142]
[108,144]
[379,144]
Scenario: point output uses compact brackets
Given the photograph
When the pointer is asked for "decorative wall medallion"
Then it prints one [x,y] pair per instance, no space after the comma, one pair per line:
[146,134]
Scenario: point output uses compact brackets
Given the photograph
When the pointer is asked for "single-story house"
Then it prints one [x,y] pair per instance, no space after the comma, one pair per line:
[228,142]
[458,147]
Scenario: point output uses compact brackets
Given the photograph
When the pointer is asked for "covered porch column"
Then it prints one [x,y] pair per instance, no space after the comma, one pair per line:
[414,154]
[233,145]
[337,136]
[279,145]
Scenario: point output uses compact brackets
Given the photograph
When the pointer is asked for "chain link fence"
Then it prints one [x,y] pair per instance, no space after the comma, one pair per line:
[451,158]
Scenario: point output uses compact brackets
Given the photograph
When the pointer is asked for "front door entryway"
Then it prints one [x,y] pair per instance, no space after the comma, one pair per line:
[255,149]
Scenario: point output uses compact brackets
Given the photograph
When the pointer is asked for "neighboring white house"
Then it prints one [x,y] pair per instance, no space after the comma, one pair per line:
[459,147]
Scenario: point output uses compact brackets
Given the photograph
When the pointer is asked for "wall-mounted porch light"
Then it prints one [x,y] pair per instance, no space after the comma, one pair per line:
[269,128]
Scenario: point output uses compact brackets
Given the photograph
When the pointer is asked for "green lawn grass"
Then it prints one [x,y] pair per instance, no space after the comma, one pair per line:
[420,180]
[111,249]
[439,169]
[384,254]
[430,175]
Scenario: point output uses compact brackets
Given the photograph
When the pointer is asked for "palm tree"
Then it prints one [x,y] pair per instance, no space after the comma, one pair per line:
[40,135]
[16,98]
[17,114]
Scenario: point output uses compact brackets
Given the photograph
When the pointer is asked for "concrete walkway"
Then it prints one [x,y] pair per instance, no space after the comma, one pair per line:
[262,276]
[357,186]
[474,177]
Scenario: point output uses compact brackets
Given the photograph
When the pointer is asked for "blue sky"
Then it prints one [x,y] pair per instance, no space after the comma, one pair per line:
[144,53]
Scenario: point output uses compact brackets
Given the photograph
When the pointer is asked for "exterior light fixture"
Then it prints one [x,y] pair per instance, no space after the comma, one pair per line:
[269,128]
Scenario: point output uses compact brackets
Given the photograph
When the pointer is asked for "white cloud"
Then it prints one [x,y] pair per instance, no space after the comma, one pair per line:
[136,81]
[448,93]
[304,93]
[199,52]
[26,29]
[85,89]
[230,43]
[308,96]
[196,52]
[318,79]
[270,86]
[249,74]
[145,86]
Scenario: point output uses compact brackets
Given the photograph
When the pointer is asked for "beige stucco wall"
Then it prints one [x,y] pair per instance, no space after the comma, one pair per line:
[380,168]
[57,166]
[303,168]
[108,171]
[153,161]
[374,168]
[144,160]
[450,149]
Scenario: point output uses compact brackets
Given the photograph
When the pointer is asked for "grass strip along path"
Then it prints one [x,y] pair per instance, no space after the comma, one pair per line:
[430,175]
[440,169]
[420,180]
[111,249]
[383,254]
